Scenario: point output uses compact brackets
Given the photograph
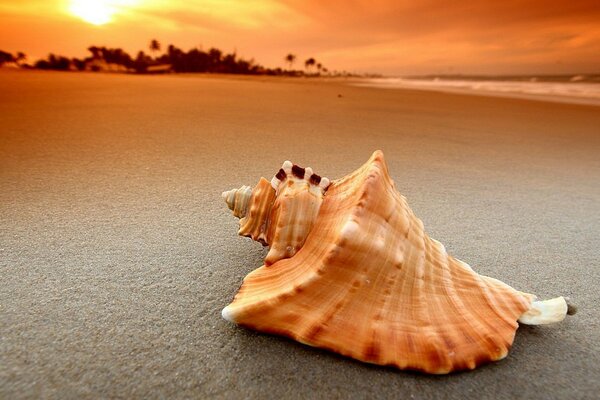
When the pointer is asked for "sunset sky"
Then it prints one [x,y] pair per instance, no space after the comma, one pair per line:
[379,36]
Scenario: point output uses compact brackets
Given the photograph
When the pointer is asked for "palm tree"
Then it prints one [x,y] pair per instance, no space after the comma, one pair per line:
[309,63]
[319,67]
[141,62]
[154,46]
[94,50]
[172,51]
[20,57]
[290,59]
[216,55]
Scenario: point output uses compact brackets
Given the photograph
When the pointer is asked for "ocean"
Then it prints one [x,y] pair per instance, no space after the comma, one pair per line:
[580,89]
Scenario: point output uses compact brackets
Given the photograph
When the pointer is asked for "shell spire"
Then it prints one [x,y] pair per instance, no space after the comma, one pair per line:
[279,213]
[237,200]
[362,278]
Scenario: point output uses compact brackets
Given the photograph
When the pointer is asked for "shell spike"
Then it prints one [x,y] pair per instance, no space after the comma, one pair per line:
[287,166]
[226,314]
[308,172]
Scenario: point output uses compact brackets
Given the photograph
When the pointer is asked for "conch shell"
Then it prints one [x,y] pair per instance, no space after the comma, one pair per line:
[350,269]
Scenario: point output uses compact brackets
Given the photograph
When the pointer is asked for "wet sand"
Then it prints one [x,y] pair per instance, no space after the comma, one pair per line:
[117,253]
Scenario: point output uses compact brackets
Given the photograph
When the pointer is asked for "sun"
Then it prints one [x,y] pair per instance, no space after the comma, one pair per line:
[96,12]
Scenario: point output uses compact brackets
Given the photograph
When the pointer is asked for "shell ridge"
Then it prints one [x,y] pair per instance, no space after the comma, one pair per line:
[339,246]
[485,290]
[436,358]
[526,298]
[424,269]
[411,336]
[518,304]
[281,273]
[260,304]
[372,348]
[259,207]
[377,174]
[443,361]
[457,303]
[475,323]
[496,302]
[405,335]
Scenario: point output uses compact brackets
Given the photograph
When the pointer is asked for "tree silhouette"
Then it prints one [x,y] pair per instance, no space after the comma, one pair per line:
[20,57]
[54,62]
[173,53]
[79,64]
[290,59]
[194,60]
[154,46]
[216,58]
[141,62]
[95,51]
[5,57]
[309,63]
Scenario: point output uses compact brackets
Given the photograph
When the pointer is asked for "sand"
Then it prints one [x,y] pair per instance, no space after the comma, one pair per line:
[117,253]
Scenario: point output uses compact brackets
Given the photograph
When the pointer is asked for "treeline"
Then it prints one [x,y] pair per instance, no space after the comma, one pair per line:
[177,60]
[172,60]
[195,60]
[17,58]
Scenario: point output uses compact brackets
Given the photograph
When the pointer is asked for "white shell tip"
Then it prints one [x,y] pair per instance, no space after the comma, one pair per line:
[324,183]
[307,173]
[227,315]
[287,166]
[545,312]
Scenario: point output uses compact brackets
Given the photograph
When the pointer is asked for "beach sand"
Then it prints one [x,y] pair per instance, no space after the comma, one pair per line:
[117,252]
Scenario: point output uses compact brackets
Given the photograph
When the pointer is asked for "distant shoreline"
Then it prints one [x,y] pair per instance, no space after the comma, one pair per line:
[557,92]
[346,80]
[224,75]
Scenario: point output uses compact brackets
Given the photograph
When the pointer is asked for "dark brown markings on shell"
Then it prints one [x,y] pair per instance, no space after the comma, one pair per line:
[450,345]
[315,179]
[281,174]
[372,351]
[312,333]
[298,171]
[432,355]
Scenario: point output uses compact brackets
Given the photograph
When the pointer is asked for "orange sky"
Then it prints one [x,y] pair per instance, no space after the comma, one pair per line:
[384,36]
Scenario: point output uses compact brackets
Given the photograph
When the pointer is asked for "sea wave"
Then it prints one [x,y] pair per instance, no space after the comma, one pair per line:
[572,91]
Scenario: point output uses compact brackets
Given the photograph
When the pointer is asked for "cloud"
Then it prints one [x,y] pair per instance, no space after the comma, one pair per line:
[389,36]
[477,36]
